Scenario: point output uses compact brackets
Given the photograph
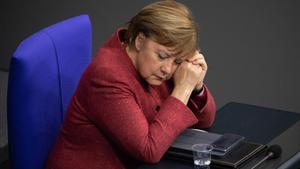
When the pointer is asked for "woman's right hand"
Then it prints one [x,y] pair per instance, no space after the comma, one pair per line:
[185,79]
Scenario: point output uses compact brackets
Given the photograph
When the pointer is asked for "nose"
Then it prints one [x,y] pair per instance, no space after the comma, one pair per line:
[166,67]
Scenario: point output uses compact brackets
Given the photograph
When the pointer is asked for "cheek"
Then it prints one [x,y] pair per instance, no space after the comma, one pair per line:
[174,68]
[148,65]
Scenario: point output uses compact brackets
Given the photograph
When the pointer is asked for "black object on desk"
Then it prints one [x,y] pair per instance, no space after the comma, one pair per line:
[257,124]
[237,154]
[189,137]
[234,159]
[293,162]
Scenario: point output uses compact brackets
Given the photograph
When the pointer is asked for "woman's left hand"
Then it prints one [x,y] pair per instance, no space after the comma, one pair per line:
[199,60]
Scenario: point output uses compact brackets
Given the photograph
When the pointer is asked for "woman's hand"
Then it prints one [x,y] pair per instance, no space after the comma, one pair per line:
[198,59]
[188,76]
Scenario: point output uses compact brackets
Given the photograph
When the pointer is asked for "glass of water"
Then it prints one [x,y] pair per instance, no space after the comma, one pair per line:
[202,155]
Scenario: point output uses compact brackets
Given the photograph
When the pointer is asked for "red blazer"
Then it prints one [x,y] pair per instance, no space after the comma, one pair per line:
[116,120]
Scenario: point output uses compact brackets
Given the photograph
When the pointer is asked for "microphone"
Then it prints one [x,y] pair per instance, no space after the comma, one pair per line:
[273,152]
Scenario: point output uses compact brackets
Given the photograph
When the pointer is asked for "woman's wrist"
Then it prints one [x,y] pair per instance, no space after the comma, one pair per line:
[198,89]
[182,94]
[199,86]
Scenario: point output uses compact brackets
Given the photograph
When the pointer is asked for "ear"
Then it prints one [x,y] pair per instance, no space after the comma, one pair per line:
[139,41]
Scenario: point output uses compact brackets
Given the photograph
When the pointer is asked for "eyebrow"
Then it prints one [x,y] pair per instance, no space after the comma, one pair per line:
[166,53]
[168,56]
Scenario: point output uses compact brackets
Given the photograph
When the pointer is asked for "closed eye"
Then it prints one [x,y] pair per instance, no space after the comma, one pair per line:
[162,56]
[178,61]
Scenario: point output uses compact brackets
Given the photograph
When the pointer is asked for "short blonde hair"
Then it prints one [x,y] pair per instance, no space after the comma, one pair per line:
[168,23]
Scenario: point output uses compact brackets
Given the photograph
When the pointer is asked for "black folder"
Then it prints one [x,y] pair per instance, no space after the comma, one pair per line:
[237,157]
[190,137]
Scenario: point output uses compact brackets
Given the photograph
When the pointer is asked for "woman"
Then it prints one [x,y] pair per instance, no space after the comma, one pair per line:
[144,87]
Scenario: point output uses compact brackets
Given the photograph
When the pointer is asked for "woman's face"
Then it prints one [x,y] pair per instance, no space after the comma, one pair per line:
[155,63]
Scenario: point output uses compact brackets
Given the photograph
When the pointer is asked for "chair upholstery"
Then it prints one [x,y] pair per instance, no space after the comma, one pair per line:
[44,72]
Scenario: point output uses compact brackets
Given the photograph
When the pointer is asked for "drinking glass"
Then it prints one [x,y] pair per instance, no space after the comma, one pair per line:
[202,155]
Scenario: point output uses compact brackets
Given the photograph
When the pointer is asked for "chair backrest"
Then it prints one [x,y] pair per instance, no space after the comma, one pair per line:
[44,73]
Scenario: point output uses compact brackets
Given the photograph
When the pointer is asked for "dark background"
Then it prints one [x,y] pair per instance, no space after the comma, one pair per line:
[251,46]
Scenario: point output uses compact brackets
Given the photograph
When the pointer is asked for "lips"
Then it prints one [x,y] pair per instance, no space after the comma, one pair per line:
[161,78]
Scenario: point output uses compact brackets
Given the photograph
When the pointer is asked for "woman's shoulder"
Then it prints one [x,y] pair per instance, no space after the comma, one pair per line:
[108,71]
[112,64]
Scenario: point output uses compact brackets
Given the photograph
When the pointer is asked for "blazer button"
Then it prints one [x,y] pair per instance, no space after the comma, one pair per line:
[157,108]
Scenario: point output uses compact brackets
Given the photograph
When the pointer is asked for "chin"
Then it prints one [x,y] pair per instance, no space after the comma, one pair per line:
[155,82]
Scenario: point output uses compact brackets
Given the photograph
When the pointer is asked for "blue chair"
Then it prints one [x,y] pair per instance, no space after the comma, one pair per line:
[44,72]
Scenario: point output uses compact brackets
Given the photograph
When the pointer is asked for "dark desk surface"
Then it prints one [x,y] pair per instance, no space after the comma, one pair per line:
[258,124]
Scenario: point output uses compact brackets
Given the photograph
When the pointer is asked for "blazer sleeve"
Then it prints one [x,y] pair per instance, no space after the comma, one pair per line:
[124,122]
[204,108]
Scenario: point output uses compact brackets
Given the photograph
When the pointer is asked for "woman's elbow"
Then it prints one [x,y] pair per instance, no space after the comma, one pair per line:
[151,158]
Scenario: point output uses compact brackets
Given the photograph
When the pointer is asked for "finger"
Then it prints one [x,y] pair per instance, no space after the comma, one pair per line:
[196,56]
[198,61]
[202,63]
